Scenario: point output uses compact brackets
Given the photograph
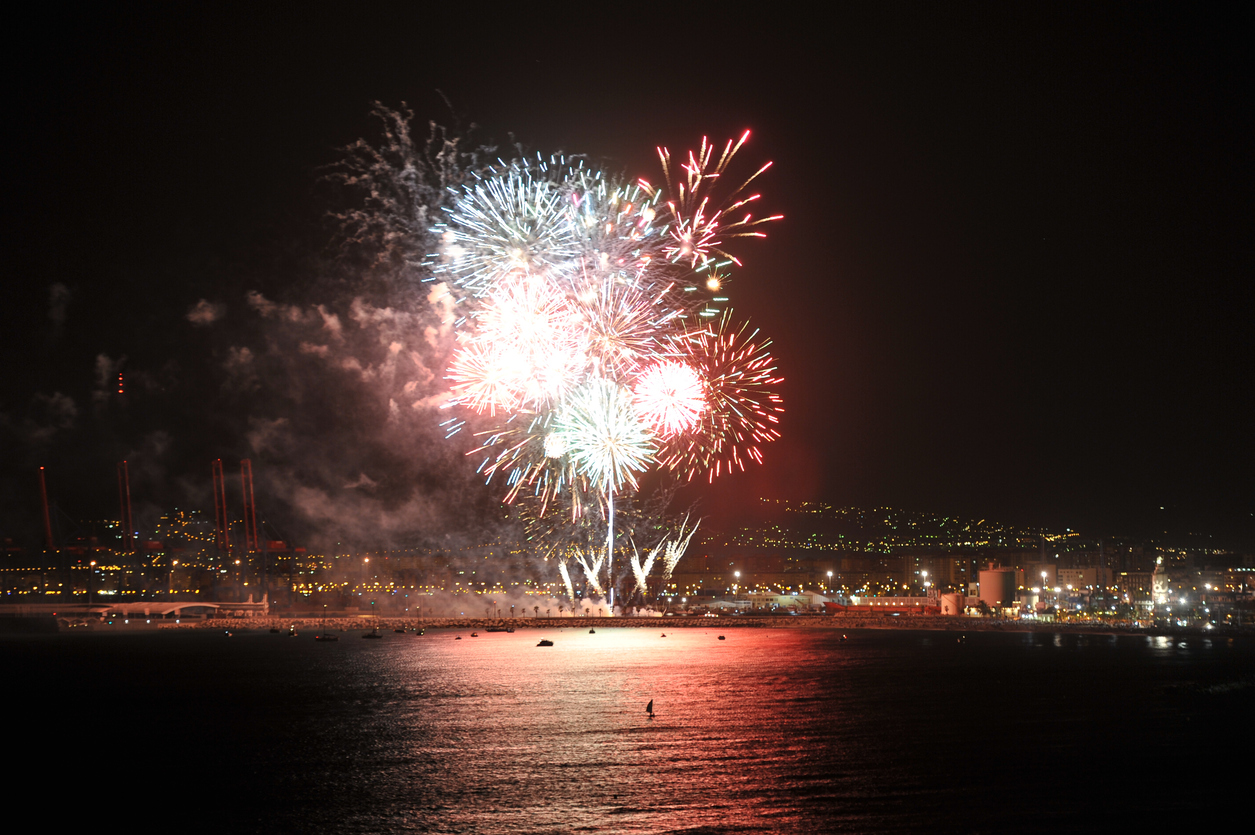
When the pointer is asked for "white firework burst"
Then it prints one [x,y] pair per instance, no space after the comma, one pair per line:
[603,435]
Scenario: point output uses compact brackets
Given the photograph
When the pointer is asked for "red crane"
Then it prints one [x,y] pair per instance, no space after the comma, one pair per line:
[124,498]
[250,508]
[43,495]
[220,507]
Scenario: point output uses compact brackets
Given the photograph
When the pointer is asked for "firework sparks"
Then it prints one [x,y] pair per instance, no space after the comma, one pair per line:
[744,406]
[527,351]
[603,434]
[670,397]
[566,580]
[698,224]
[512,221]
[674,549]
[592,568]
[579,348]
[641,570]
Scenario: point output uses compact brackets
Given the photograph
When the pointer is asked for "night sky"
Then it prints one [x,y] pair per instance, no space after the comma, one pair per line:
[1013,280]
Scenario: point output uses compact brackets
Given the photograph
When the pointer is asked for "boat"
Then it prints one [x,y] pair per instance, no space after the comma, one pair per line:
[592,632]
[400,631]
[500,629]
[474,634]
[721,638]
[649,708]
[545,642]
[274,630]
[326,636]
[374,633]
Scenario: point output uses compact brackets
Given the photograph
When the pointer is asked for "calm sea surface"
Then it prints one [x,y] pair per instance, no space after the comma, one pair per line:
[770,730]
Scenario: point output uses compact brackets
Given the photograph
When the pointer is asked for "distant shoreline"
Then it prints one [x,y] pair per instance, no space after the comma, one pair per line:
[306,624]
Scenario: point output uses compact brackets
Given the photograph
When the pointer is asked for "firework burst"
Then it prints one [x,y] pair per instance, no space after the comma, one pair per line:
[621,325]
[698,224]
[602,434]
[527,351]
[515,219]
[591,342]
[671,398]
[743,403]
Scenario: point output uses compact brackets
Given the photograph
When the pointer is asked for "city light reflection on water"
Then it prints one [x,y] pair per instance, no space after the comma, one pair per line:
[770,730]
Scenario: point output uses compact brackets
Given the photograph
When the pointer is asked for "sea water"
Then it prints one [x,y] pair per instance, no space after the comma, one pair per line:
[765,731]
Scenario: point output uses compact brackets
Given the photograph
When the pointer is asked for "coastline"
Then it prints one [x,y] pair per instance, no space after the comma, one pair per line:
[308,624]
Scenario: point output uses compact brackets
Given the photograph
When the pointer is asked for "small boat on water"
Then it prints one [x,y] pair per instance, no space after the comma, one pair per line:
[500,629]
[326,636]
[649,708]
[400,631]
[474,634]
[374,633]
[592,632]
[721,638]
[545,642]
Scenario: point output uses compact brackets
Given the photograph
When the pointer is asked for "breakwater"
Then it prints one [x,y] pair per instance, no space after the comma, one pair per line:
[839,621]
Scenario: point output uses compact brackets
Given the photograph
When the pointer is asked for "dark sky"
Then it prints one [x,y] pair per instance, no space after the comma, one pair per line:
[1013,280]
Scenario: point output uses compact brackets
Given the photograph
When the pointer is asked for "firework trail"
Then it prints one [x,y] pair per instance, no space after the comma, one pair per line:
[592,569]
[566,581]
[641,570]
[674,549]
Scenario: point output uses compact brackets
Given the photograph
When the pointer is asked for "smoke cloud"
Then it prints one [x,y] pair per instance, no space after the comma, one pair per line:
[206,312]
[58,301]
